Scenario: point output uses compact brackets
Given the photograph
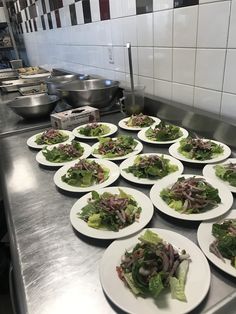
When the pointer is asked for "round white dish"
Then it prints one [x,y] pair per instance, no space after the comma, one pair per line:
[43,161]
[205,238]
[113,129]
[130,161]
[113,176]
[209,171]
[173,150]
[31,141]
[196,288]
[136,151]
[146,215]
[224,193]
[122,124]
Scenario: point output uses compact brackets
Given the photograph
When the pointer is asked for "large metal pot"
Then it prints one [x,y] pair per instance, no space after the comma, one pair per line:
[95,92]
[32,107]
[53,83]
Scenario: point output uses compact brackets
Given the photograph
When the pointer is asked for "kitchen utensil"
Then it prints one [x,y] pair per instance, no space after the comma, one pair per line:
[128,45]
[130,106]
[55,82]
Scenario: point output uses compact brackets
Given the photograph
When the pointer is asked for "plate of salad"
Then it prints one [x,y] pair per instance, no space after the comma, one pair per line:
[49,137]
[162,133]
[85,175]
[155,271]
[137,122]
[223,172]
[60,154]
[111,213]
[150,168]
[199,150]
[217,239]
[117,148]
[95,130]
[191,197]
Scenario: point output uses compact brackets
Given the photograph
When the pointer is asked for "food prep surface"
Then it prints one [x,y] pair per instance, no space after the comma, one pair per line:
[56,269]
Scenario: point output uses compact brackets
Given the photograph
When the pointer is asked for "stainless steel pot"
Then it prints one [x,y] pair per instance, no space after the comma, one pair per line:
[32,107]
[56,82]
[95,92]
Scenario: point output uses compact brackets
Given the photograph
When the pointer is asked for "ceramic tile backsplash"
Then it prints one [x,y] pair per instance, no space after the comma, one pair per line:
[183,51]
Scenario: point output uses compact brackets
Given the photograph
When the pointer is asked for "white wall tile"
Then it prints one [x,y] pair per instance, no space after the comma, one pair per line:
[145,61]
[145,29]
[163,28]
[162,89]
[184,65]
[104,32]
[134,60]
[213,24]
[119,59]
[210,68]
[117,32]
[228,106]
[115,8]
[79,12]
[182,94]
[232,26]
[230,72]
[162,5]
[129,7]
[95,10]
[130,30]
[207,100]
[148,83]
[185,26]
[163,63]
[120,76]
[135,77]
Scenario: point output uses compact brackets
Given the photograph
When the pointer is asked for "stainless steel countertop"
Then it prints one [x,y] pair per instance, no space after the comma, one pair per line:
[56,268]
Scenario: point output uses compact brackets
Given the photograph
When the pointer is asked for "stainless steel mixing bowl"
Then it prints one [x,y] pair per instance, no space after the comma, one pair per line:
[35,106]
[55,82]
[94,92]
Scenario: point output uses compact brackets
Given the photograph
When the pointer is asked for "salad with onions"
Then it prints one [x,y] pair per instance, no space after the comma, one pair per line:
[225,244]
[151,167]
[50,137]
[139,120]
[109,211]
[63,152]
[163,132]
[85,173]
[94,129]
[191,196]
[199,149]
[116,147]
[154,266]
[227,172]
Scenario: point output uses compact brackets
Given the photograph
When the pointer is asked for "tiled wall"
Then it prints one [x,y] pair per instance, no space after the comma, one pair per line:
[182,50]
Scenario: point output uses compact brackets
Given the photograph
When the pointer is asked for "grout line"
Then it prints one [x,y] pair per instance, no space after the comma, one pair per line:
[195,66]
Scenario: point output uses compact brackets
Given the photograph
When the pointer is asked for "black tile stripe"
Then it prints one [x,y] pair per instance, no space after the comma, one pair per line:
[184,3]
[58,19]
[26,26]
[30,26]
[35,25]
[73,16]
[144,6]
[32,11]
[44,6]
[87,11]
[43,23]
[50,21]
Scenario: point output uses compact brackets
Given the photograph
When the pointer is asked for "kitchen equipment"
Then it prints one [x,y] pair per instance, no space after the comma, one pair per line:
[54,83]
[31,107]
[6,74]
[33,90]
[16,64]
[95,92]
[14,85]
[130,106]
[128,45]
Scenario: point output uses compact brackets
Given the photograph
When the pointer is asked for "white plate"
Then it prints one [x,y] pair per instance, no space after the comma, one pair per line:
[122,124]
[173,150]
[130,161]
[205,238]
[209,171]
[113,176]
[31,141]
[142,137]
[197,282]
[136,151]
[146,215]
[224,193]
[113,129]
[43,161]
[32,76]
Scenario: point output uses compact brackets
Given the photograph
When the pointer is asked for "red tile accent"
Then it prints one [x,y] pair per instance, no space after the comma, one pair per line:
[104,9]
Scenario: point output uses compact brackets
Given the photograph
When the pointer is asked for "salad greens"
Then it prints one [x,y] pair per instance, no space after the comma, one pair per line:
[227,173]
[85,173]
[63,152]
[116,147]
[164,132]
[153,266]
[199,149]
[151,167]
[50,137]
[94,129]
[191,196]
[139,120]
[225,244]
[110,211]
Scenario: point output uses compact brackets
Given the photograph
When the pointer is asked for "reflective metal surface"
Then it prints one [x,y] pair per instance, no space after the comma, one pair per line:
[56,82]
[14,85]
[56,268]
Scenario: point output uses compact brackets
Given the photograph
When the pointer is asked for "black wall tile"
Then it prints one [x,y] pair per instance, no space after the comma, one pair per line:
[19,18]
[23,4]
[26,14]
[73,16]
[44,7]
[144,6]
[87,11]
[185,3]
[35,25]
[32,11]
[50,21]
[43,23]
[26,26]
[30,26]
[58,19]
[55,4]
[104,9]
